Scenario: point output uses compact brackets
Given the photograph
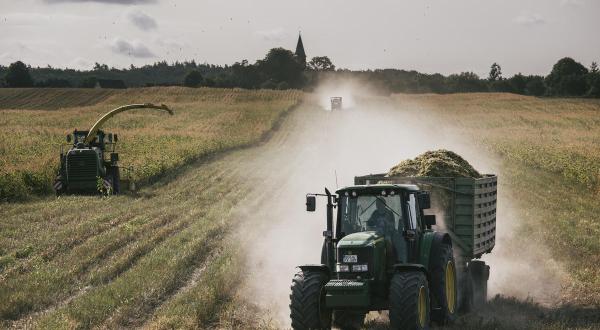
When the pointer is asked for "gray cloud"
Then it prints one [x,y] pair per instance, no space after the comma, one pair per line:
[134,48]
[116,2]
[142,20]
[530,19]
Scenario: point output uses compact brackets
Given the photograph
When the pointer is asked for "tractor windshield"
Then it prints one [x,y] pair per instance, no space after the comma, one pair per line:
[79,137]
[371,213]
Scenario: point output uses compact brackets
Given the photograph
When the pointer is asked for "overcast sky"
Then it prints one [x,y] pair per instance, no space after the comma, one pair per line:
[446,36]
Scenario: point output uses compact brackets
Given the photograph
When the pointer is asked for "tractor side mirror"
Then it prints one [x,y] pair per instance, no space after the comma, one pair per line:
[429,220]
[311,203]
[116,138]
[424,200]
[69,138]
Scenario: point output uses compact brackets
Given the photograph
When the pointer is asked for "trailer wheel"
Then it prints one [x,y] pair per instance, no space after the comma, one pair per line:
[478,274]
[307,301]
[348,320]
[444,285]
[409,301]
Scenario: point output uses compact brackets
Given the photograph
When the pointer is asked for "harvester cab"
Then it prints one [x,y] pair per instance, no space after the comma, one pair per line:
[381,253]
[91,164]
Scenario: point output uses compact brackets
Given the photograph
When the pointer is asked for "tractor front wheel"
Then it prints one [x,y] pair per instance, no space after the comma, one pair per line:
[114,177]
[307,300]
[409,301]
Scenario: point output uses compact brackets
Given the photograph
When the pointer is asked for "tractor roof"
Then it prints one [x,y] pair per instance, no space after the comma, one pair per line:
[377,188]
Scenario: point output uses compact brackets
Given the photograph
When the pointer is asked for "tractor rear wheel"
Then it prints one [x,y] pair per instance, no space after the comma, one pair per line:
[444,285]
[409,301]
[478,274]
[348,320]
[307,300]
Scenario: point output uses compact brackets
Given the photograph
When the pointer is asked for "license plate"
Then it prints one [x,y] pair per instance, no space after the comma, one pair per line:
[350,258]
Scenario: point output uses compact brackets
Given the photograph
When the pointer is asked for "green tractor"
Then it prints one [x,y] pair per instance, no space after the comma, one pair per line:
[382,253]
[91,163]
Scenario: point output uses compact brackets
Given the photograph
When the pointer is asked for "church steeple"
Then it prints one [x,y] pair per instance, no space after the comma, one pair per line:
[300,49]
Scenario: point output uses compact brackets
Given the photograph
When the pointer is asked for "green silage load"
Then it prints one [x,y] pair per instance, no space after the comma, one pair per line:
[437,163]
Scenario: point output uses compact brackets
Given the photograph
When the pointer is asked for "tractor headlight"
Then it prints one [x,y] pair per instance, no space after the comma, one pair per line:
[342,268]
[360,268]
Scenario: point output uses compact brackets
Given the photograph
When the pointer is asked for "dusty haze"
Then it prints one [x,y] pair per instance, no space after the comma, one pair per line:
[370,136]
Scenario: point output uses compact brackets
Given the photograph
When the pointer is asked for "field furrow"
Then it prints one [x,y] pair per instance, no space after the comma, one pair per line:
[212,241]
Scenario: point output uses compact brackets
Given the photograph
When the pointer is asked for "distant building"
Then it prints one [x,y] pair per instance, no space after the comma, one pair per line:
[110,83]
[300,50]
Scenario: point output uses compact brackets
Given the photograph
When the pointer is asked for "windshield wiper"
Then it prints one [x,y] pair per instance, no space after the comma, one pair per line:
[389,208]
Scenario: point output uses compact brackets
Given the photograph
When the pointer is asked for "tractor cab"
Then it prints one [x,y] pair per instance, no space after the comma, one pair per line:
[101,140]
[374,213]
[380,222]
[377,231]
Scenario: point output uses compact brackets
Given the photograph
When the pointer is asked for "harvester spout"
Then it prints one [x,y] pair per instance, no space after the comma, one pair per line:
[94,130]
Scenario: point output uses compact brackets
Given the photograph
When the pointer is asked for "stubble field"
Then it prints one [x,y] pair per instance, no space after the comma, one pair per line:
[170,255]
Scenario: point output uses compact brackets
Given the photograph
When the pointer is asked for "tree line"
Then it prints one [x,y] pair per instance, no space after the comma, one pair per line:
[282,69]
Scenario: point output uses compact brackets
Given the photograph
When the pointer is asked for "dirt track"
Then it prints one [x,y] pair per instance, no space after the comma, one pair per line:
[317,148]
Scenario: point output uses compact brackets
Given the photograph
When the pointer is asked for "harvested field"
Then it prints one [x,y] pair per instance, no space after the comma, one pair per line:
[212,243]
[53,98]
[206,121]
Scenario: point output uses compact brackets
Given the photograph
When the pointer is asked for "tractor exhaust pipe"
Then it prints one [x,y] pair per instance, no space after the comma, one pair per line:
[329,214]
[329,233]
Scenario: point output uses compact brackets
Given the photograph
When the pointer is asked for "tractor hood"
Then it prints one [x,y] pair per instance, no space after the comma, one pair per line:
[360,239]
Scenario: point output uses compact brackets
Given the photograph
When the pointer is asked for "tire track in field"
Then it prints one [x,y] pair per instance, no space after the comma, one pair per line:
[177,194]
[320,148]
[158,220]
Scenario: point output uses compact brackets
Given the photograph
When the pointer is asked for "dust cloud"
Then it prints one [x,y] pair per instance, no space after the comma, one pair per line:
[317,148]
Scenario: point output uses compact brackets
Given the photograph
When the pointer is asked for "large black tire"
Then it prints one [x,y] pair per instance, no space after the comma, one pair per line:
[307,301]
[409,301]
[444,285]
[59,186]
[478,274]
[114,176]
[348,320]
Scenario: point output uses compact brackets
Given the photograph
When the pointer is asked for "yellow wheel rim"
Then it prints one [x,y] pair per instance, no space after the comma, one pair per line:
[450,286]
[422,306]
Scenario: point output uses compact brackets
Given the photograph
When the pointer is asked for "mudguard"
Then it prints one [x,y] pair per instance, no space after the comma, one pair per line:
[315,267]
[411,267]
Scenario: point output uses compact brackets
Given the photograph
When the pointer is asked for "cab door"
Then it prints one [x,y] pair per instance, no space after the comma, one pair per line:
[413,231]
